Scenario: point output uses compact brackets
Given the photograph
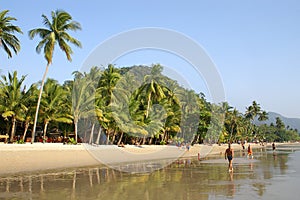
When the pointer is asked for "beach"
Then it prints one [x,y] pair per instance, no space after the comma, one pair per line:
[19,158]
[269,175]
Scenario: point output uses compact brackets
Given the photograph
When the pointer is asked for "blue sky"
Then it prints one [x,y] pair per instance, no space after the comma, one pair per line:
[255,45]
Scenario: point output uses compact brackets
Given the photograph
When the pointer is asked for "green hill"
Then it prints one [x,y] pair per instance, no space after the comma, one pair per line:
[293,123]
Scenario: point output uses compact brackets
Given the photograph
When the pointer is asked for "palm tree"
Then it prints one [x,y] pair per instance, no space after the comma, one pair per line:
[152,89]
[105,90]
[30,103]
[107,83]
[82,101]
[14,97]
[53,101]
[151,92]
[263,116]
[253,111]
[55,32]
[7,38]
[190,108]
[232,123]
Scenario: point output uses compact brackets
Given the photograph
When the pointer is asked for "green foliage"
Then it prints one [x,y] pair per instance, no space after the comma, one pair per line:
[13,99]
[7,38]
[55,32]
[72,141]
[133,104]
[20,142]
[178,140]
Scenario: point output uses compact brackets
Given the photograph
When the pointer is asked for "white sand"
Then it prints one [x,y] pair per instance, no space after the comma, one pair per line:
[17,158]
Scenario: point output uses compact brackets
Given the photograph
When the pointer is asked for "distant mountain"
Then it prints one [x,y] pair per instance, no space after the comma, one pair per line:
[293,123]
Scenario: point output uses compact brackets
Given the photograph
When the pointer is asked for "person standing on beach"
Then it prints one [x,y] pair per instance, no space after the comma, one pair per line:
[273,146]
[250,151]
[229,155]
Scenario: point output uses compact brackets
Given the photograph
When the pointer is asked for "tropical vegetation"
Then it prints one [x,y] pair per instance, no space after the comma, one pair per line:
[55,32]
[8,39]
[130,105]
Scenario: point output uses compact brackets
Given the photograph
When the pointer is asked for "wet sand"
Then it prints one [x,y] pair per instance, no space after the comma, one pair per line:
[18,158]
[270,175]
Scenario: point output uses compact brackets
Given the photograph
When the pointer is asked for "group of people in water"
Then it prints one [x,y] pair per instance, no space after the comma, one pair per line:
[229,153]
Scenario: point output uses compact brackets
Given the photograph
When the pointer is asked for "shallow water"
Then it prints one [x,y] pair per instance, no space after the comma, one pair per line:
[266,176]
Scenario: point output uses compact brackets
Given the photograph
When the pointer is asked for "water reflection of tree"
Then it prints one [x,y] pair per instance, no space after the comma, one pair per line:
[167,183]
[184,179]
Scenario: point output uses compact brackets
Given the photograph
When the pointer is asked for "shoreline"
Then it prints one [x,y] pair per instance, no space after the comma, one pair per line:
[38,157]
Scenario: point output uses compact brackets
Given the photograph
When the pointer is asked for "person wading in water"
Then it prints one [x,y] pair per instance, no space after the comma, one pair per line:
[229,155]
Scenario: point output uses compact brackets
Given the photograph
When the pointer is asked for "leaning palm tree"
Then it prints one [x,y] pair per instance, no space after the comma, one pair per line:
[7,38]
[54,33]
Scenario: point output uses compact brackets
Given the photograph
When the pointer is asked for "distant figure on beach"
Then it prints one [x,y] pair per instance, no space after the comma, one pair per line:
[229,155]
[188,147]
[250,154]
[273,146]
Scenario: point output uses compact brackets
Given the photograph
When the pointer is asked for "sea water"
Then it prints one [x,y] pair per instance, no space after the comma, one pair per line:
[269,175]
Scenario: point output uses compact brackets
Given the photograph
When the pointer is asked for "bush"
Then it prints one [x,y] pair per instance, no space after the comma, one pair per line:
[72,141]
[20,141]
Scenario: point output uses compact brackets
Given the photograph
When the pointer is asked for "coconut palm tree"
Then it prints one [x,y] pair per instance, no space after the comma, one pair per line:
[30,103]
[107,82]
[7,38]
[52,103]
[190,107]
[83,101]
[87,97]
[152,89]
[253,111]
[232,123]
[55,32]
[12,104]
[263,116]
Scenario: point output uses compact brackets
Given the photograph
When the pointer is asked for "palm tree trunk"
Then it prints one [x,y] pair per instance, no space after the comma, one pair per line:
[25,130]
[150,140]
[85,129]
[231,133]
[38,103]
[114,137]
[107,138]
[166,136]
[148,105]
[99,134]
[144,140]
[76,128]
[120,139]
[45,130]
[13,127]
[92,134]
